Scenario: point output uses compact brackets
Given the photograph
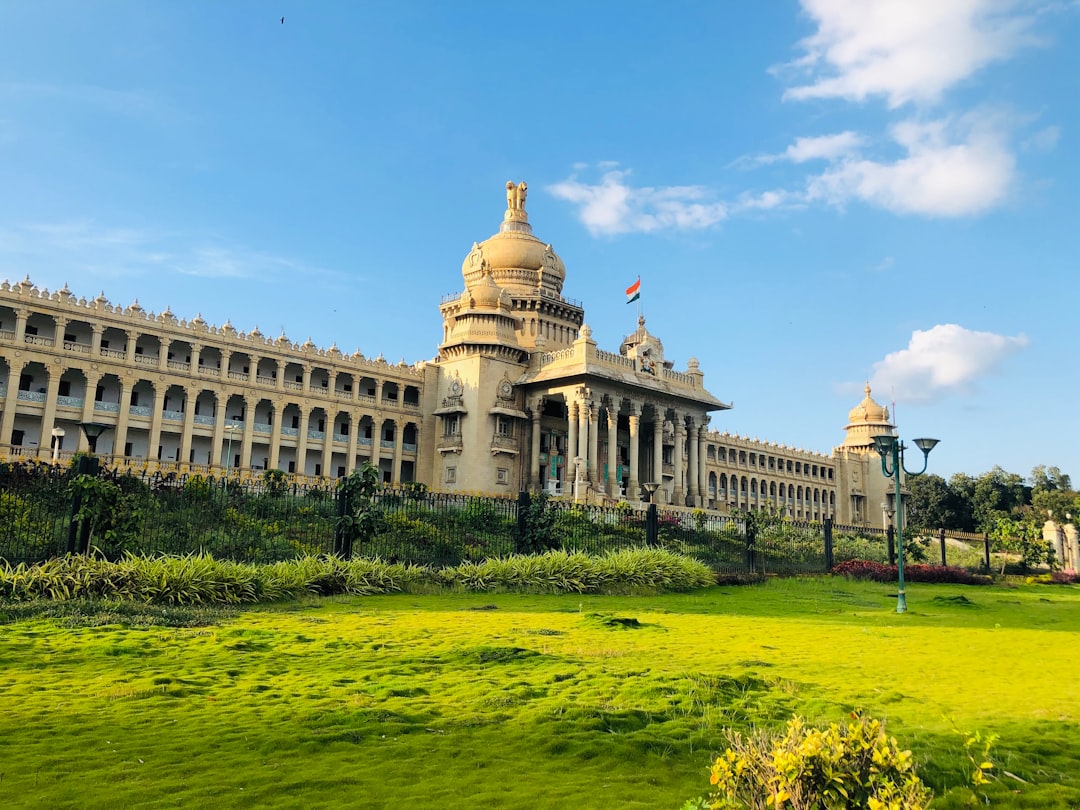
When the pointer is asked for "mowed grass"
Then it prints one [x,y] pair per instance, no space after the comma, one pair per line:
[510,700]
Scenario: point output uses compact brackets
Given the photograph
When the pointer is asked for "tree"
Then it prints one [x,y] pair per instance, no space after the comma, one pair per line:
[931,504]
[1045,478]
[962,490]
[361,517]
[997,493]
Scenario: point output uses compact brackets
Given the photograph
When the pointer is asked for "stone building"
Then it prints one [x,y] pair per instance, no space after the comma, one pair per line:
[519,396]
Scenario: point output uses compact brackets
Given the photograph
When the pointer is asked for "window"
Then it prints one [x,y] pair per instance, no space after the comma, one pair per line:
[451,426]
[70,338]
[17,438]
[451,475]
[504,427]
[31,330]
[65,388]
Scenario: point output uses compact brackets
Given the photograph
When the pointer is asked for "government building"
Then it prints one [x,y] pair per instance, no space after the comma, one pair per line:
[519,396]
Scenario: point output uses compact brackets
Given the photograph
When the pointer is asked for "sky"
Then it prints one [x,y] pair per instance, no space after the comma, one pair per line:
[814,194]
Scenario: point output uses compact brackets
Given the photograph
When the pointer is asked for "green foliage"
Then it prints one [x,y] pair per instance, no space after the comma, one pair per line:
[842,766]
[114,515]
[363,518]
[274,482]
[23,527]
[540,533]
[1020,536]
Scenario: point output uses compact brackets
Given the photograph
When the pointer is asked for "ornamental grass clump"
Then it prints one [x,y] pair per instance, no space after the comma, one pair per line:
[842,766]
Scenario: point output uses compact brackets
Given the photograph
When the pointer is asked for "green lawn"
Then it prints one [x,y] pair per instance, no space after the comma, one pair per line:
[508,700]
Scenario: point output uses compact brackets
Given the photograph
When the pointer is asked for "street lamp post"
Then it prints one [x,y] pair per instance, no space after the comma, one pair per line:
[886,445]
[79,532]
[652,523]
[57,436]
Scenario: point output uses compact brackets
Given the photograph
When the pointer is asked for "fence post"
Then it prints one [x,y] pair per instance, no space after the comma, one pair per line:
[342,538]
[828,544]
[890,536]
[652,526]
[941,537]
[750,538]
[523,502]
[986,550]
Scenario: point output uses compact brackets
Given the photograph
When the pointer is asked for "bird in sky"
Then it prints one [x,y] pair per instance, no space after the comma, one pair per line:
[282,20]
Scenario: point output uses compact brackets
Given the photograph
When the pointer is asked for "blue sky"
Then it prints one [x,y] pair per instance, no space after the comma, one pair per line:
[814,193]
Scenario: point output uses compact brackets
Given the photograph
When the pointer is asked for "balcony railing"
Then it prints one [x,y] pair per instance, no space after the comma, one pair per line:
[78,348]
[107,407]
[147,360]
[38,340]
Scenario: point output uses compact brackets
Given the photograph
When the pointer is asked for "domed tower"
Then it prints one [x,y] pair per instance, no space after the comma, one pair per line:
[865,421]
[531,274]
[864,494]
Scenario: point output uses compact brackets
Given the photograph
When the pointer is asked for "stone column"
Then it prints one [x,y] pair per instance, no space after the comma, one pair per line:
[354,435]
[328,445]
[307,378]
[594,471]
[634,490]
[21,317]
[376,441]
[220,401]
[126,387]
[129,350]
[399,440]
[92,380]
[249,431]
[679,492]
[571,437]
[378,393]
[196,350]
[95,340]
[658,451]
[612,457]
[702,471]
[534,448]
[48,418]
[692,468]
[226,356]
[301,441]
[279,375]
[190,395]
[155,421]
[1072,545]
[275,435]
[11,399]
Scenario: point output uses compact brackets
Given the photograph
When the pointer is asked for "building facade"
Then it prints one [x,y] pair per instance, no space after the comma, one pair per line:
[519,396]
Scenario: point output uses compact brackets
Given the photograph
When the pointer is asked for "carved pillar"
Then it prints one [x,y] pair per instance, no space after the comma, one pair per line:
[21,317]
[11,398]
[678,494]
[534,447]
[593,466]
[155,421]
[196,350]
[612,457]
[376,441]
[92,380]
[220,401]
[126,387]
[301,441]
[571,439]
[190,395]
[275,435]
[226,357]
[354,434]
[249,431]
[95,340]
[129,349]
[658,451]
[328,445]
[634,486]
[279,375]
[702,468]
[1072,545]
[48,418]
[692,467]
[307,378]
[378,394]
[163,358]
[399,439]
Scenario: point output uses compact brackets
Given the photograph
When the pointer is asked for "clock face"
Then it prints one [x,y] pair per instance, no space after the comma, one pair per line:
[455,388]
[505,389]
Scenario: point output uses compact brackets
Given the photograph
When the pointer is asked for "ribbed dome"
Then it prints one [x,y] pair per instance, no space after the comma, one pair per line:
[517,260]
[485,293]
[868,411]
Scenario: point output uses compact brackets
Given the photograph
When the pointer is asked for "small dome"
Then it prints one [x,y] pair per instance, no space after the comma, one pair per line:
[868,410]
[485,293]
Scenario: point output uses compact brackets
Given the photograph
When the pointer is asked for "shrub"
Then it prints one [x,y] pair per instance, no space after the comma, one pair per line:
[852,765]
[880,572]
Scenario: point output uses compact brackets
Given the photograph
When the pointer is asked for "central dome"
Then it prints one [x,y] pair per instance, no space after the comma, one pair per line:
[517,261]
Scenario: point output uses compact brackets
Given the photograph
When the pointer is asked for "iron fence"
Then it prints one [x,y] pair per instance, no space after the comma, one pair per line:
[271,519]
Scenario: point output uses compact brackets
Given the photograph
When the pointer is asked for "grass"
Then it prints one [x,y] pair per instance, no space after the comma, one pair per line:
[510,700]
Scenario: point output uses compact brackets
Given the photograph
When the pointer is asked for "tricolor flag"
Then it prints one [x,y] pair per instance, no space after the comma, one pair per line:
[633,292]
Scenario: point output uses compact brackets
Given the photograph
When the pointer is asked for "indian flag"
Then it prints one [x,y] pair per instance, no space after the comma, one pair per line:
[633,292]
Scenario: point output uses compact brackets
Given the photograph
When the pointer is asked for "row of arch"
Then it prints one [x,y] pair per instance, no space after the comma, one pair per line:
[744,492]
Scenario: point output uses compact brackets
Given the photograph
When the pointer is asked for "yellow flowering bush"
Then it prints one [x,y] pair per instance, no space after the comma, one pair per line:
[845,765]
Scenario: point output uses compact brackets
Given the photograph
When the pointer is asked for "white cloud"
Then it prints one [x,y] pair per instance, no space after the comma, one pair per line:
[821,147]
[70,251]
[612,206]
[904,50]
[944,359]
[1044,140]
[952,167]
